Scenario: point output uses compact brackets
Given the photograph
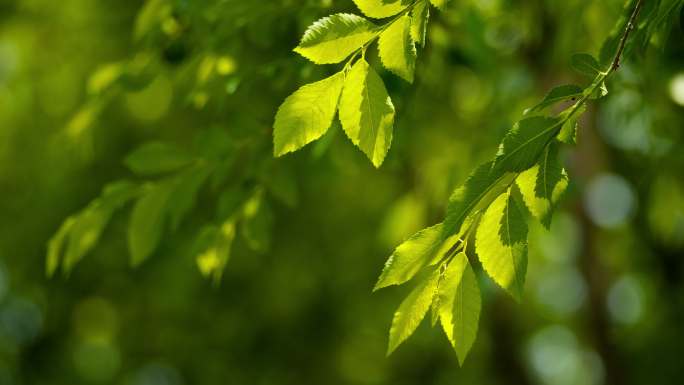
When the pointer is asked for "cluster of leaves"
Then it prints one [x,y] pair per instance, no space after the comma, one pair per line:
[171,180]
[491,209]
[357,91]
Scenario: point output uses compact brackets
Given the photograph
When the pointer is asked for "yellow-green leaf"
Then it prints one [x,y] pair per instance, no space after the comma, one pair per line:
[397,51]
[501,243]
[306,114]
[379,9]
[367,112]
[412,311]
[543,184]
[214,245]
[333,38]
[411,256]
[459,305]
[420,14]
[441,4]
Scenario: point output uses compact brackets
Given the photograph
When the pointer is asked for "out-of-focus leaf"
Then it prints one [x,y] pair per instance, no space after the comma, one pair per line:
[147,221]
[257,220]
[157,158]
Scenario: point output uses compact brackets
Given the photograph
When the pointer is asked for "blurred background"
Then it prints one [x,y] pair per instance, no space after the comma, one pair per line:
[84,82]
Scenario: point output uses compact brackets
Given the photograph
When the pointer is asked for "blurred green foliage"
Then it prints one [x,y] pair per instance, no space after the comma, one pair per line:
[89,89]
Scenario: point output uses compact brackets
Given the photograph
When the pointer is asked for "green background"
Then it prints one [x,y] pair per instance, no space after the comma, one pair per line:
[603,302]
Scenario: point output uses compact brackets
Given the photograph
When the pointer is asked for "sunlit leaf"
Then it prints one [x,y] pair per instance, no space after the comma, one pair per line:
[411,256]
[543,184]
[459,305]
[501,243]
[380,9]
[333,38]
[306,114]
[412,311]
[397,50]
[420,14]
[367,112]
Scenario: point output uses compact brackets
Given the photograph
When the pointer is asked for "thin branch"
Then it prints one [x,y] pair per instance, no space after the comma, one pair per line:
[628,29]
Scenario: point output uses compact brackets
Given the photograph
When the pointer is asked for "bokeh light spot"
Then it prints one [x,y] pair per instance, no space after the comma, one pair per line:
[625,300]
[609,200]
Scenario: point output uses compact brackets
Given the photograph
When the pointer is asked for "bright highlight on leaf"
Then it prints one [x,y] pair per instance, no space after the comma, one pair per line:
[501,243]
[459,302]
[333,38]
[411,256]
[214,245]
[379,9]
[412,311]
[306,114]
[420,15]
[543,184]
[366,112]
[397,51]
[441,4]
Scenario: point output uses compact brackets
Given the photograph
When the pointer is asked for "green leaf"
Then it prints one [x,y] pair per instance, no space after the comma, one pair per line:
[380,9]
[585,64]
[484,182]
[397,51]
[412,311]
[257,220]
[597,89]
[568,132]
[87,226]
[543,185]
[522,146]
[410,257]
[56,246]
[441,4]
[306,114]
[333,38]
[420,14]
[557,95]
[147,221]
[459,305]
[183,195]
[156,158]
[367,112]
[214,245]
[501,243]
